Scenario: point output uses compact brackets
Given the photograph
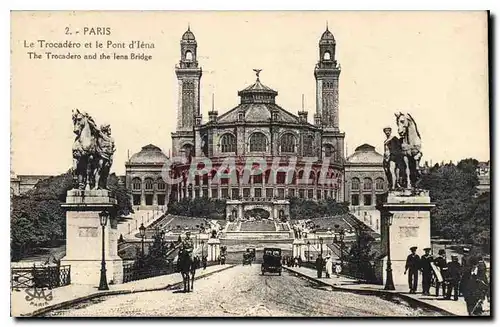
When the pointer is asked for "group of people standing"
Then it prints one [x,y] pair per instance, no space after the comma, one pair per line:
[292,262]
[468,278]
[328,265]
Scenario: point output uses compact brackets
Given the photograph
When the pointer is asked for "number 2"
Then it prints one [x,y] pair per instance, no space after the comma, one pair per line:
[67,31]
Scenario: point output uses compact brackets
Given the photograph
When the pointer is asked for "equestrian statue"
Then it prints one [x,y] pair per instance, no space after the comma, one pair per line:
[402,154]
[93,151]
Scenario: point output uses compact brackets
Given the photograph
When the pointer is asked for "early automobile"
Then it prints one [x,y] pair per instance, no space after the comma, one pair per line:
[271,261]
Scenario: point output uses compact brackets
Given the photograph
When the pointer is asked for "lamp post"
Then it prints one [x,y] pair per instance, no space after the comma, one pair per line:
[389,282]
[103,284]
[142,231]
[321,248]
[308,250]
[341,236]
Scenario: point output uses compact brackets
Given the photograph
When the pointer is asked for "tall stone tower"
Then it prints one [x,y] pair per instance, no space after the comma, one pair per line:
[327,73]
[188,106]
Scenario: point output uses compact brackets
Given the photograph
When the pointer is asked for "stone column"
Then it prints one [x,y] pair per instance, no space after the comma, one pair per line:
[411,226]
[209,185]
[84,237]
[143,197]
[213,250]
[298,250]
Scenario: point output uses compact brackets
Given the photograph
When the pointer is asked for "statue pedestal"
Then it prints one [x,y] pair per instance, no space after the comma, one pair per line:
[84,237]
[298,249]
[409,226]
[213,252]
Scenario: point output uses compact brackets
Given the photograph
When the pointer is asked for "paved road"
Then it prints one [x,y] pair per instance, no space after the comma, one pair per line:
[242,291]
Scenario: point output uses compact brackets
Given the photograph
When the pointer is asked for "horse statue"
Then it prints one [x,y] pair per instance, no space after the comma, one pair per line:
[187,266]
[93,150]
[411,143]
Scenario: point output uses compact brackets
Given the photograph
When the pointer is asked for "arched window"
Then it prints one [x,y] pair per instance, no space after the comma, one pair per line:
[379,184]
[161,184]
[228,143]
[355,183]
[329,151]
[136,183]
[258,142]
[327,55]
[188,150]
[148,184]
[308,146]
[287,143]
[189,55]
[367,184]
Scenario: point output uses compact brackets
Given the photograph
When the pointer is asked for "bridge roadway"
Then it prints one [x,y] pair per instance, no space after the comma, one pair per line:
[242,291]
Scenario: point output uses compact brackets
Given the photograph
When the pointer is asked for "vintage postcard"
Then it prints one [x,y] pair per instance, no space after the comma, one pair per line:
[250,164]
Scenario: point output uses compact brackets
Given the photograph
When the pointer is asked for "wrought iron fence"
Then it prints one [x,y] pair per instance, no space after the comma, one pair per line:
[40,277]
[131,272]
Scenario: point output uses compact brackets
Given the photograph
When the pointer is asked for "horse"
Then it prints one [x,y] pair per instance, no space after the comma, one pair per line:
[84,149]
[410,146]
[187,267]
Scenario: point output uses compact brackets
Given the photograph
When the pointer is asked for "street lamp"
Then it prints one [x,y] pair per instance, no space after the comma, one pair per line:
[341,236]
[142,231]
[103,284]
[389,282]
[321,244]
[308,250]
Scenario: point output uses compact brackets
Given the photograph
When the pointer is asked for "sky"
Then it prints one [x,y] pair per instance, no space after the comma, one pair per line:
[433,65]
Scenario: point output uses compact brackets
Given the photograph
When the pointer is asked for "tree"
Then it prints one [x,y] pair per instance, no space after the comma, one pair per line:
[459,214]
[37,218]
[360,256]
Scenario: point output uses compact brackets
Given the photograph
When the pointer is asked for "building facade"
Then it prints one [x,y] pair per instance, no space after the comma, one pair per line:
[366,184]
[258,127]
[143,178]
[483,174]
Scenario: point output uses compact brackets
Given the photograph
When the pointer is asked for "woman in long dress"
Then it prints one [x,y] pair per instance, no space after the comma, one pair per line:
[329,266]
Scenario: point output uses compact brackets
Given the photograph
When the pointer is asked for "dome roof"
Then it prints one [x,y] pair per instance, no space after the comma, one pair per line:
[188,35]
[327,36]
[149,154]
[365,154]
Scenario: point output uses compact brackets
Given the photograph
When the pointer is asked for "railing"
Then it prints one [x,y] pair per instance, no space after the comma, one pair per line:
[131,272]
[40,277]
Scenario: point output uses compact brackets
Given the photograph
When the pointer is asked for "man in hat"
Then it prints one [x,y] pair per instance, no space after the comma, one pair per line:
[425,262]
[466,266]
[473,289]
[453,277]
[187,244]
[443,268]
[412,266]
[319,265]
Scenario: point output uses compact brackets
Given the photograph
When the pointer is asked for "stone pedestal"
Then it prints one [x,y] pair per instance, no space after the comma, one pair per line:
[411,226]
[213,250]
[84,237]
[298,249]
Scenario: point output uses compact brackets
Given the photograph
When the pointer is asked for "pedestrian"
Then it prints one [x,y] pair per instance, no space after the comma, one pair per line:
[425,266]
[412,266]
[338,269]
[299,261]
[443,269]
[204,262]
[466,268]
[319,266]
[483,275]
[453,276]
[296,262]
[474,288]
[329,266]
